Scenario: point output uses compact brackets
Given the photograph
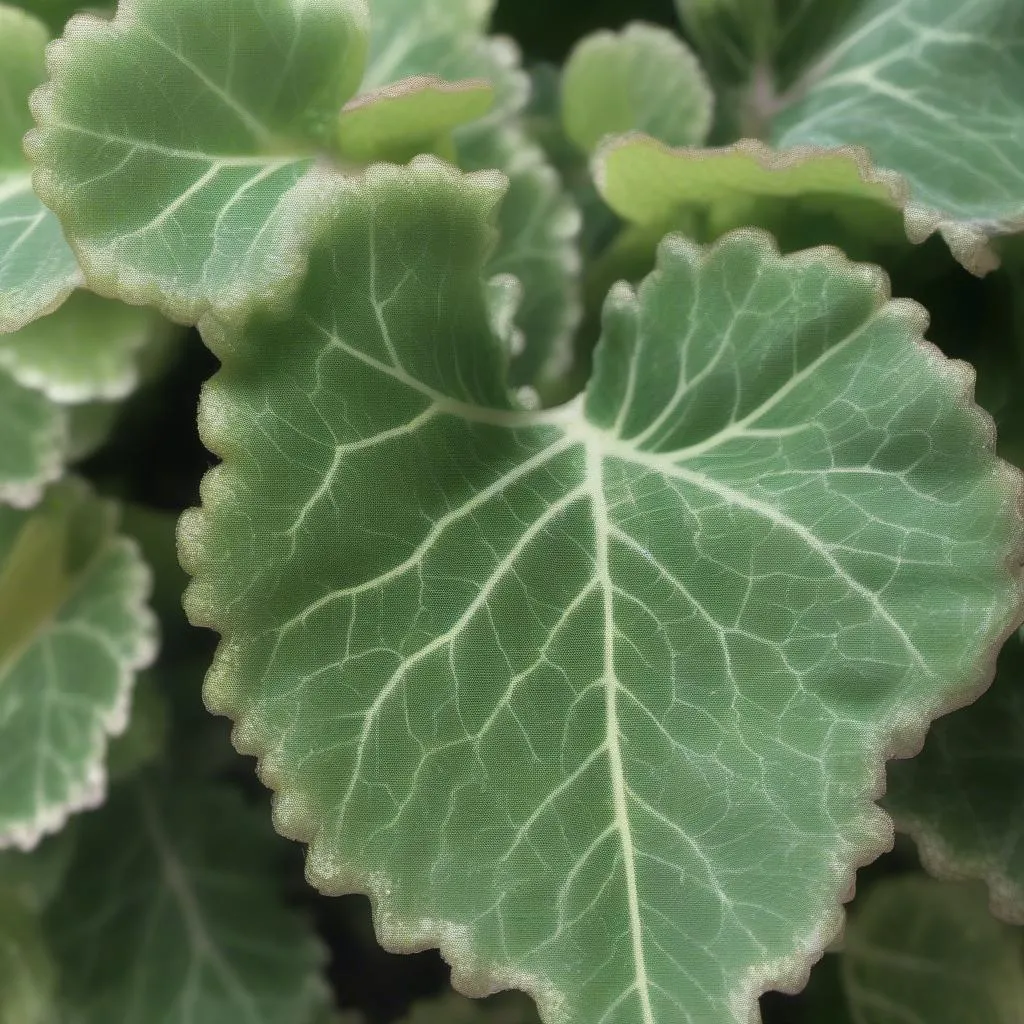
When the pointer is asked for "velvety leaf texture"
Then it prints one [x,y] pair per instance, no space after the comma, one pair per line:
[182,877]
[597,698]
[37,269]
[962,797]
[74,629]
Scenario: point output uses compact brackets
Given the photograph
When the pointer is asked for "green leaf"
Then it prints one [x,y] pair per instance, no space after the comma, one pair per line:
[33,879]
[145,738]
[641,79]
[211,142]
[717,190]
[596,698]
[932,89]
[408,117]
[920,950]
[194,929]
[88,350]
[33,442]
[823,1001]
[26,973]
[74,629]
[539,226]
[37,269]
[962,797]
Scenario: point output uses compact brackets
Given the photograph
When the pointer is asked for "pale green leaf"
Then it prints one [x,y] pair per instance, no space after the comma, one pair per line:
[88,350]
[37,269]
[26,973]
[194,928]
[408,117]
[33,442]
[932,88]
[205,145]
[74,629]
[962,797]
[641,79]
[595,698]
[925,952]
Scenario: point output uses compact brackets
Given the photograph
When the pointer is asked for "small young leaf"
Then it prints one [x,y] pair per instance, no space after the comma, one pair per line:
[408,117]
[471,642]
[26,973]
[194,931]
[87,350]
[641,79]
[962,797]
[921,950]
[37,269]
[74,629]
[33,443]
[207,115]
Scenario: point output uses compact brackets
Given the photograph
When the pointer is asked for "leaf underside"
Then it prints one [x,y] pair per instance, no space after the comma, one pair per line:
[596,698]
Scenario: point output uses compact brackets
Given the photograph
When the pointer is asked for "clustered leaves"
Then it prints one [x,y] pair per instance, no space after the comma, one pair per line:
[588,529]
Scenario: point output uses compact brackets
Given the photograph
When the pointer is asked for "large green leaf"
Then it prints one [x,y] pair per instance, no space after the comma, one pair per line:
[596,698]
[962,797]
[928,952]
[37,269]
[194,929]
[641,79]
[207,116]
[74,629]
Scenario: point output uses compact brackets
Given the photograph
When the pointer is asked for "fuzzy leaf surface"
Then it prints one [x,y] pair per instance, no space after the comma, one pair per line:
[643,78]
[962,797]
[37,268]
[925,951]
[207,116]
[596,698]
[183,878]
[33,442]
[74,629]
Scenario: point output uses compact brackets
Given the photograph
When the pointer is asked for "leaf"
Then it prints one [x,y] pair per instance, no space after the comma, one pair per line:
[33,879]
[194,929]
[716,190]
[37,269]
[641,79]
[145,738]
[824,1001]
[539,227]
[928,952]
[74,629]
[931,88]
[962,797]
[33,440]
[212,145]
[26,973]
[405,118]
[596,698]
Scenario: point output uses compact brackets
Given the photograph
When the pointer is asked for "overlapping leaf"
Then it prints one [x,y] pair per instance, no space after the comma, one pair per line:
[26,973]
[596,698]
[642,79]
[919,95]
[962,797]
[193,930]
[921,950]
[37,269]
[74,629]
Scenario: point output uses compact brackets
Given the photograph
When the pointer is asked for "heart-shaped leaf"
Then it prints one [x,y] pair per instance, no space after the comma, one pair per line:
[596,698]
[74,630]
[37,269]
